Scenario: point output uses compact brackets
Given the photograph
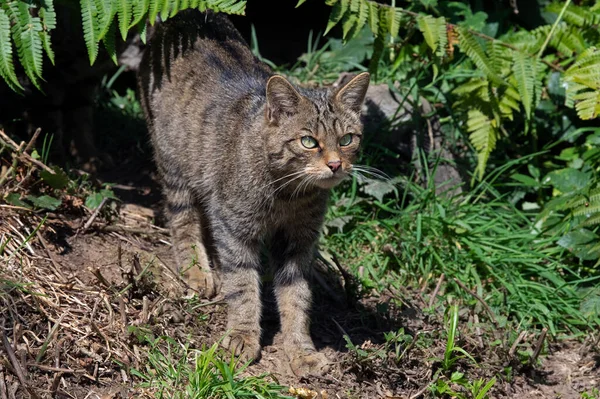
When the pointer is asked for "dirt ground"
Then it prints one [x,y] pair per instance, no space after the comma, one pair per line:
[67,327]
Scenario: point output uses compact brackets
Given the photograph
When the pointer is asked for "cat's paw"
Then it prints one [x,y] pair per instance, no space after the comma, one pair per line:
[243,345]
[309,363]
[204,281]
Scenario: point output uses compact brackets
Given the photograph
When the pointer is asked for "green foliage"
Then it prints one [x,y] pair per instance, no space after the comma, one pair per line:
[512,66]
[26,25]
[174,370]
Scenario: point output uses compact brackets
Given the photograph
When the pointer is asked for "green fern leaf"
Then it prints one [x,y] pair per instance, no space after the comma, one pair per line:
[379,44]
[483,136]
[428,26]
[476,53]
[587,211]
[30,46]
[47,43]
[524,72]
[361,19]
[124,16]
[509,102]
[109,43]
[575,15]
[7,70]
[592,221]
[348,25]
[155,7]
[373,17]
[47,14]
[331,2]
[105,16]
[140,8]
[142,30]
[354,6]
[88,16]
[175,7]
[394,16]
[166,10]
[337,13]
[588,104]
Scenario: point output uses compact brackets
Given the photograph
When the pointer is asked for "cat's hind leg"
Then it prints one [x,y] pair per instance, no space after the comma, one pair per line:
[185,223]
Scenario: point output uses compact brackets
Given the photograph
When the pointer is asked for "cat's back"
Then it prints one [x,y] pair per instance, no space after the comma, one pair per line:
[198,60]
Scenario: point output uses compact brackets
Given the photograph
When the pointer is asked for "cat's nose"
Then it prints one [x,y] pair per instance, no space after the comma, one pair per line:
[334,165]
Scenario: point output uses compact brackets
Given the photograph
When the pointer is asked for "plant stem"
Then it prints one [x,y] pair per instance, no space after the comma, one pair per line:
[562,12]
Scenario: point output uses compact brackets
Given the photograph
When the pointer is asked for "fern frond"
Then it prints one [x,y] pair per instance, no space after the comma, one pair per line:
[593,220]
[524,73]
[7,70]
[583,84]
[575,15]
[337,13]
[483,136]
[155,7]
[47,14]
[124,15]
[433,29]
[140,9]
[88,16]
[373,17]
[509,102]
[588,104]
[47,44]
[587,211]
[567,40]
[379,44]
[394,16]
[109,43]
[105,15]
[361,19]
[476,53]
[29,46]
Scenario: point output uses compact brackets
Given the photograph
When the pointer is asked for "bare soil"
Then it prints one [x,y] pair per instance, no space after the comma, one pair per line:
[67,328]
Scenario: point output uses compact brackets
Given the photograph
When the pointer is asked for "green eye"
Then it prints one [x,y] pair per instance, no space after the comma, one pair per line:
[309,142]
[346,140]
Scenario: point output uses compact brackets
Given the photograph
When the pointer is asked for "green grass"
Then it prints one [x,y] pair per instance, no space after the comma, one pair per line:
[174,370]
[478,238]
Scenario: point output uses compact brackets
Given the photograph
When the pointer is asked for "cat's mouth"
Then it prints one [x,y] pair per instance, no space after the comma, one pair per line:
[327,181]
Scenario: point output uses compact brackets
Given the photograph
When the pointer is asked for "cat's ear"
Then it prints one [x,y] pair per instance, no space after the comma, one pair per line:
[352,94]
[282,98]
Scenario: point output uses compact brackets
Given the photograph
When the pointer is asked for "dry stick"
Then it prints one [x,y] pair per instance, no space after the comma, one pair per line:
[7,140]
[15,364]
[420,392]
[480,299]
[94,215]
[126,229]
[3,394]
[538,346]
[33,139]
[513,348]
[436,290]
[55,264]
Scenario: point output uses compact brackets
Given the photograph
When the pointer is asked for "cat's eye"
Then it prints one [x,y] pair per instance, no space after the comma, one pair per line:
[346,140]
[309,142]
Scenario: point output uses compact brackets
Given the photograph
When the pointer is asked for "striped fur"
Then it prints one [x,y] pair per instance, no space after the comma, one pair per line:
[227,137]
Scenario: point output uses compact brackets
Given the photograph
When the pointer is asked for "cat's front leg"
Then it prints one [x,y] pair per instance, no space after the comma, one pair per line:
[240,264]
[293,257]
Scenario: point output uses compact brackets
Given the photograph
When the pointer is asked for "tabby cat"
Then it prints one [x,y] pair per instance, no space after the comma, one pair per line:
[246,160]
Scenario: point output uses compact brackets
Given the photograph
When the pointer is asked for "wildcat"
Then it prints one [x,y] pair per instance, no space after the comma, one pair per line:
[246,160]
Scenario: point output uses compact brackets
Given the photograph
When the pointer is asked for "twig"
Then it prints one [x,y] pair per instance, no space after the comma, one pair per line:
[94,215]
[24,155]
[3,394]
[15,364]
[55,264]
[436,290]
[420,392]
[513,348]
[33,139]
[126,229]
[480,299]
[538,346]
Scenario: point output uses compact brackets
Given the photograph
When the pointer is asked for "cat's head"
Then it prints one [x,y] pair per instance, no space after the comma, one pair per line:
[314,135]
